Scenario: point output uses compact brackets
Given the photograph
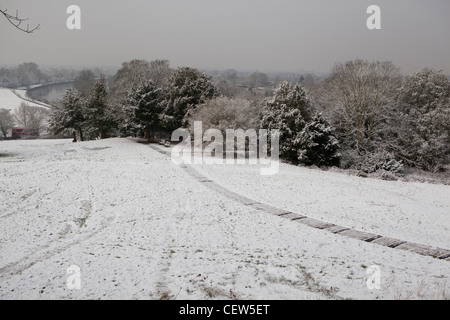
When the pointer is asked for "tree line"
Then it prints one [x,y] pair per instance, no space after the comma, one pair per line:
[142,97]
[29,73]
[366,115]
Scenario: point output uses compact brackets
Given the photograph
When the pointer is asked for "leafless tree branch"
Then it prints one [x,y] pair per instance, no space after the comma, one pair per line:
[18,22]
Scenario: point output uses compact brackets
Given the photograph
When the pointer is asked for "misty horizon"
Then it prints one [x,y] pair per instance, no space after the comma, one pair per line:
[270,36]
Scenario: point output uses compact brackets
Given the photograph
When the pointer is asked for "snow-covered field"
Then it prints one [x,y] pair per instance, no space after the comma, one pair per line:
[11,101]
[139,227]
[411,211]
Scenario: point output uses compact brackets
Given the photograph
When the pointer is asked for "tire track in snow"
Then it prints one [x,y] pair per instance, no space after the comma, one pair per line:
[424,250]
[44,253]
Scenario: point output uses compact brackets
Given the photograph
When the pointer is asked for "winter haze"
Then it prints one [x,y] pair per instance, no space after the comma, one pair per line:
[135,160]
[286,35]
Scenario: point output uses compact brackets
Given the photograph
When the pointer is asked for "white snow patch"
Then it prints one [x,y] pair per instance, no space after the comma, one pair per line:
[10,101]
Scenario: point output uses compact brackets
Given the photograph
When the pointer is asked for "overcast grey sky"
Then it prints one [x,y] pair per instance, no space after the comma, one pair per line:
[264,35]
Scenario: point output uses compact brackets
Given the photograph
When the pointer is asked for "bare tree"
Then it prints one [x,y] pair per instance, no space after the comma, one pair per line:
[362,94]
[20,115]
[31,118]
[6,121]
[37,119]
[132,75]
[18,22]
[226,113]
[84,82]
[160,72]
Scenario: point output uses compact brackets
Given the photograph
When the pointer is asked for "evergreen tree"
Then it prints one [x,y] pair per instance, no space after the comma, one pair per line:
[318,144]
[288,112]
[187,88]
[148,102]
[69,114]
[99,115]
[131,76]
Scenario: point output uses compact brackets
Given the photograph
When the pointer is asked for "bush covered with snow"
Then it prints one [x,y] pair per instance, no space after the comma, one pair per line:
[380,161]
[318,143]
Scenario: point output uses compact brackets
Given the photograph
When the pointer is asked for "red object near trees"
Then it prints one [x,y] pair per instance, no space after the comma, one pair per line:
[17,133]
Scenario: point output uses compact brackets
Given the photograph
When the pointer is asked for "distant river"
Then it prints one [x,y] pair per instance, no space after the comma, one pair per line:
[50,93]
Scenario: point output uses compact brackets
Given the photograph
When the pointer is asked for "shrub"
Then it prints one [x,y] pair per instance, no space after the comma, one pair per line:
[318,143]
[380,161]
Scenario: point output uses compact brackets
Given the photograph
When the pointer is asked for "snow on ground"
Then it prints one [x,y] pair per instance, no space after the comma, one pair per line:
[10,101]
[411,211]
[139,227]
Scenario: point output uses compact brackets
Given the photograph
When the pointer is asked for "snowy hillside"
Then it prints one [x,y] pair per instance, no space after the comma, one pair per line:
[10,101]
[139,227]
